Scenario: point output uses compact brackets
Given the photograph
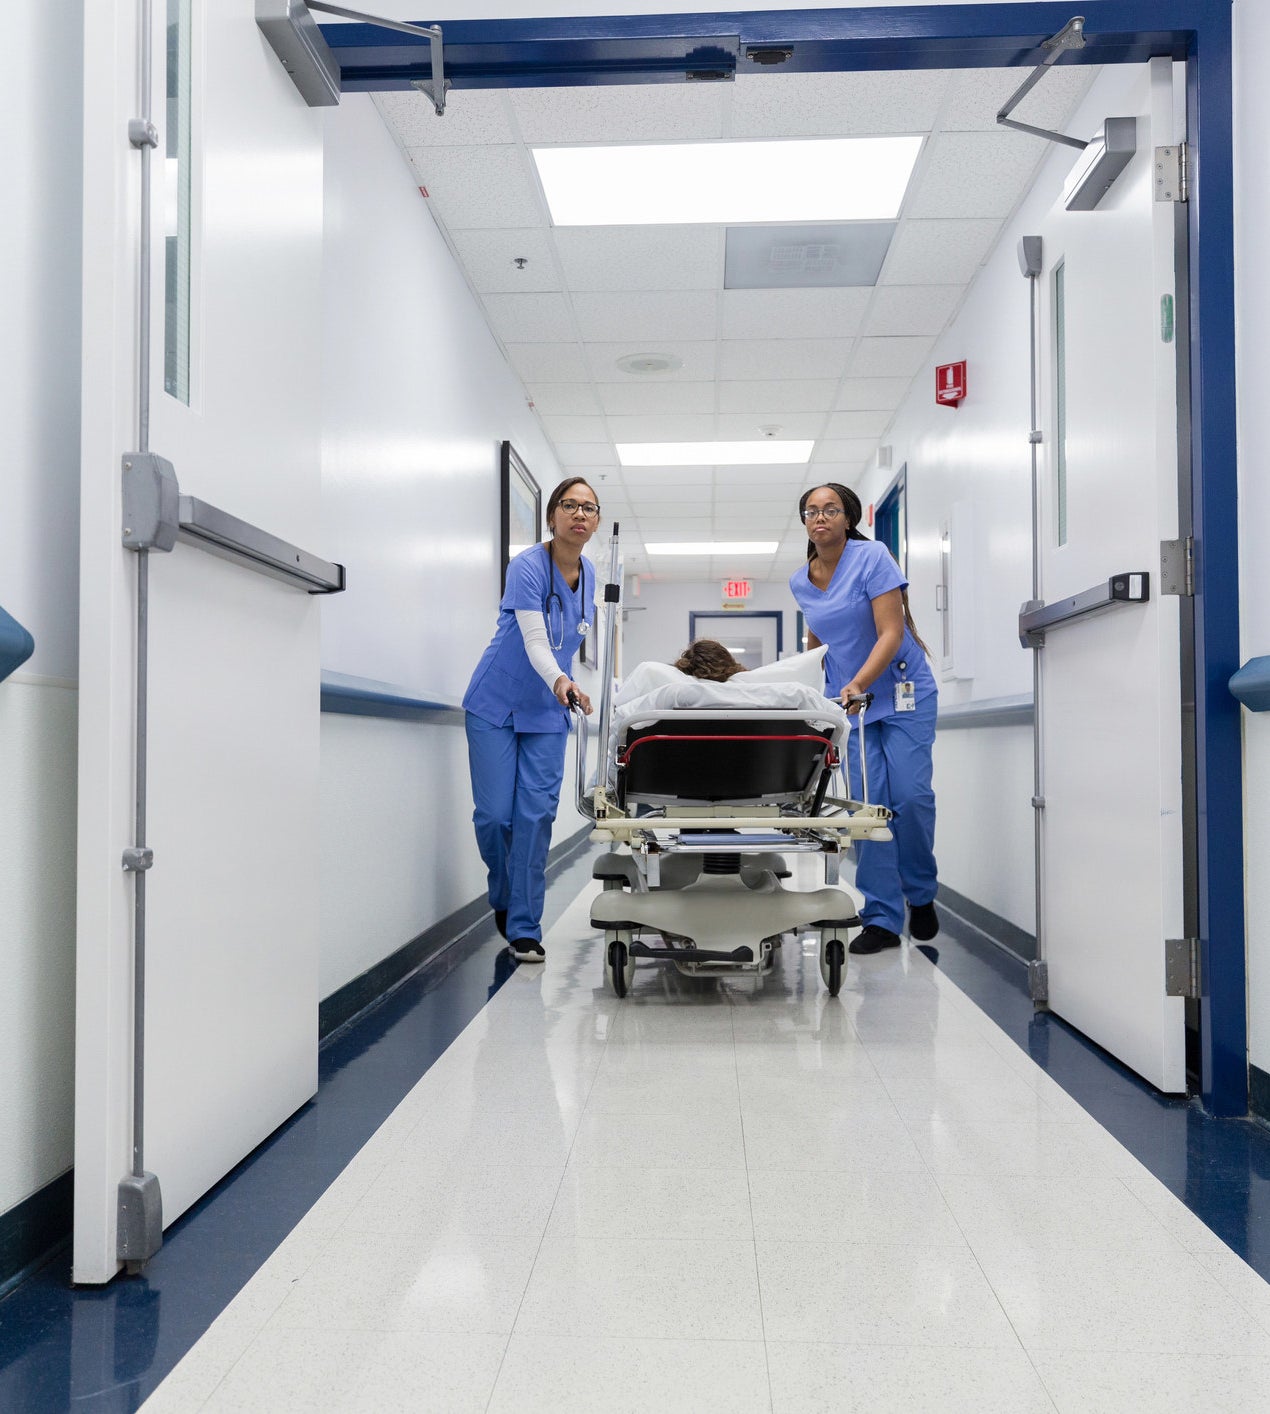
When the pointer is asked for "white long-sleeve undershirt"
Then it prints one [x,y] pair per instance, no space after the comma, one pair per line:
[533,629]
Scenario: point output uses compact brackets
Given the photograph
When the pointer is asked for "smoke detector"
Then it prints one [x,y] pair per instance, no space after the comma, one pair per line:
[649,363]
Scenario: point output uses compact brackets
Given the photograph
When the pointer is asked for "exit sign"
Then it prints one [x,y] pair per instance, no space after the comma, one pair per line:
[736,589]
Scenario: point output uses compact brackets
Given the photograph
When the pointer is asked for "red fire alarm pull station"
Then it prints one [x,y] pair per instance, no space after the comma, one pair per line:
[950,383]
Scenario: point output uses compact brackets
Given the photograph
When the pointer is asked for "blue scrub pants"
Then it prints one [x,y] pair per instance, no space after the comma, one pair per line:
[516,788]
[899,756]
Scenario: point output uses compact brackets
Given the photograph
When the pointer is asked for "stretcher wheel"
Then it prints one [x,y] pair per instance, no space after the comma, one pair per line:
[619,965]
[833,963]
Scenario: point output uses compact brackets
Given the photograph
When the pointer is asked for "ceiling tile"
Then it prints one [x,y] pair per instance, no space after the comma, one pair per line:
[747,426]
[680,427]
[697,362]
[912,309]
[659,397]
[647,317]
[472,116]
[489,257]
[564,399]
[640,479]
[864,394]
[784,476]
[575,429]
[619,113]
[975,174]
[938,252]
[890,357]
[478,187]
[586,454]
[792,314]
[975,96]
[779,395]
[641,257]
[854,425]
[531,318]
[835,105]
[547,363]
[847,452]
[783,358]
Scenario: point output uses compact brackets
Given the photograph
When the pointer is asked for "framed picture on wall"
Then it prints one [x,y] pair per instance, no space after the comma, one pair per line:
[521,521]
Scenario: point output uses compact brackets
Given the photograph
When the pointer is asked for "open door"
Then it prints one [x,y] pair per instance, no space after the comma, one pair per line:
[1110,708]
[235,224]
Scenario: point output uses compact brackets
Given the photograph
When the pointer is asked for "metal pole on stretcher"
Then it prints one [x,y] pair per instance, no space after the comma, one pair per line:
[612,603]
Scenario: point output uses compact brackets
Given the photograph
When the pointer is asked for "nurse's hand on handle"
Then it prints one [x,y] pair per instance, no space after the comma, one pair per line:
[854,698]
[569,694]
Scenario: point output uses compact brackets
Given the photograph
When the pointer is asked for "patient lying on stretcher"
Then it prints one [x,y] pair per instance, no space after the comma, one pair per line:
[707,675]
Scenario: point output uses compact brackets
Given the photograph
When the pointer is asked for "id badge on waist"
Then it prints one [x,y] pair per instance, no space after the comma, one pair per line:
[905,699]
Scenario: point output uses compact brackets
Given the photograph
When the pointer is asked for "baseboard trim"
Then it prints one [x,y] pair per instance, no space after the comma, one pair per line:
[33,1230]
[1000,931]
[1258,1092]
[370,987]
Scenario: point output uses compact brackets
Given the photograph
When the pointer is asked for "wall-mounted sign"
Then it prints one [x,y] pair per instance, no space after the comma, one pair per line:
[950,383]
[736,591]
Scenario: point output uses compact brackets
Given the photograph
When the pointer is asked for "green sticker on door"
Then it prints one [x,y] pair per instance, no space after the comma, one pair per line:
[1166,318]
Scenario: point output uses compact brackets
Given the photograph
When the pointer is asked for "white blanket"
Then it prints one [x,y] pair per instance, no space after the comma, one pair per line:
[664,688]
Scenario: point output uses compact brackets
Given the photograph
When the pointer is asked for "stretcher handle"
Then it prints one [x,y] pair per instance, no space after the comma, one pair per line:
[586,805]
[865,701]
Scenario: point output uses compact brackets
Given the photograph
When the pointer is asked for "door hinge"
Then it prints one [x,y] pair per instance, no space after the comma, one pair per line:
[1177,566]
[1181,968]
[1171,174]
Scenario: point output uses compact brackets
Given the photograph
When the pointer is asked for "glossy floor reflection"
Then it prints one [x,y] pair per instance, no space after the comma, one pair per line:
[717,1196]
[516,1193]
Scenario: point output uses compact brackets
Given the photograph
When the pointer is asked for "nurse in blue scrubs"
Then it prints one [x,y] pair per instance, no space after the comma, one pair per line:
[517,706]
[852,594]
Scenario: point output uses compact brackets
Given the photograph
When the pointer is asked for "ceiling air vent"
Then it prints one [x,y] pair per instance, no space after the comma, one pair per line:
[793,257]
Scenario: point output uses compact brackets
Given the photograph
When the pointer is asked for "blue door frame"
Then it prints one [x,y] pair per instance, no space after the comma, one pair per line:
[677,48]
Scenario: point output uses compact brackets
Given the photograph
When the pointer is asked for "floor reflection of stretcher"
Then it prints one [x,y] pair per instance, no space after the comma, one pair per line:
[701,807]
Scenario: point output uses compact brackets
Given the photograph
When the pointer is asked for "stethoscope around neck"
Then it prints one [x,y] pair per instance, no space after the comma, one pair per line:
[553,605]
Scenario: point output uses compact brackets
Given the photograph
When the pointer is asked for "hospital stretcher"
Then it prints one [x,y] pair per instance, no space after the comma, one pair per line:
[700,808]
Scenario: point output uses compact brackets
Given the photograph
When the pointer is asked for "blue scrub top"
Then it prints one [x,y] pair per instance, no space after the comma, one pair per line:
[841,617]
[505,688]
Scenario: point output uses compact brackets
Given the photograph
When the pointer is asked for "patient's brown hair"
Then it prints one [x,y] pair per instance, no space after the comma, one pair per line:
[707,658]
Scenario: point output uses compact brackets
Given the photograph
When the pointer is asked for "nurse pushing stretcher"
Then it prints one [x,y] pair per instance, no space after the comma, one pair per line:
[852,594]
[518,705]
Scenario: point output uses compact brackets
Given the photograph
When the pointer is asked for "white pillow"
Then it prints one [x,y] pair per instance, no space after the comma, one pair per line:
[805,668]
[646,676]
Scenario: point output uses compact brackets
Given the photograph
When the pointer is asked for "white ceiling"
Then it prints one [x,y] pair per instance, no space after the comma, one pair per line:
[826,364]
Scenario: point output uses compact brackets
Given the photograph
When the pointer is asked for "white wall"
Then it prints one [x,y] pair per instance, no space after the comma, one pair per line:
[39,511]
[416,400]
[1252,306]
[657,619]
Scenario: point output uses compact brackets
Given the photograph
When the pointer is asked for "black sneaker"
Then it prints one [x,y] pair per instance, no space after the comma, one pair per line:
[874,939]
[500,921]
[531,950]
[923,921]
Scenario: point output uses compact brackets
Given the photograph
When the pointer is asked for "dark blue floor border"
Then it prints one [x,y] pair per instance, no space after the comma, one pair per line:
[106,1349]
[1219,1167]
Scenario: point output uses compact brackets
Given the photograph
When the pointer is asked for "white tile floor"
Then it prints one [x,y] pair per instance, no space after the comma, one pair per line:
[711,1197]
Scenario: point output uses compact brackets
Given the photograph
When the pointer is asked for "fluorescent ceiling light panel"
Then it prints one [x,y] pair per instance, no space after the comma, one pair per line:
[769,452]
[712,547]
[812,179]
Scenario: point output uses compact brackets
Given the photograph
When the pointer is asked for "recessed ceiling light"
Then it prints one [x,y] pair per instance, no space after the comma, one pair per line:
[649,363]
[769,452]
[806,179]
[712,547]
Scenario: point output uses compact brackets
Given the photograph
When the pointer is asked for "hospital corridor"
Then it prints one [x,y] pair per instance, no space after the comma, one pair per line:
[635,708]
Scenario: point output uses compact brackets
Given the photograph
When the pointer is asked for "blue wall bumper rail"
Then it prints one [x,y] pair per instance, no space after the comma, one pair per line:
[16,645]
[1251,684]
[364,697]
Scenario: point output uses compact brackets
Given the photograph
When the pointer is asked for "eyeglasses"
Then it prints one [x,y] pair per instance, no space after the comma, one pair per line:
[588,508]
[830,513]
